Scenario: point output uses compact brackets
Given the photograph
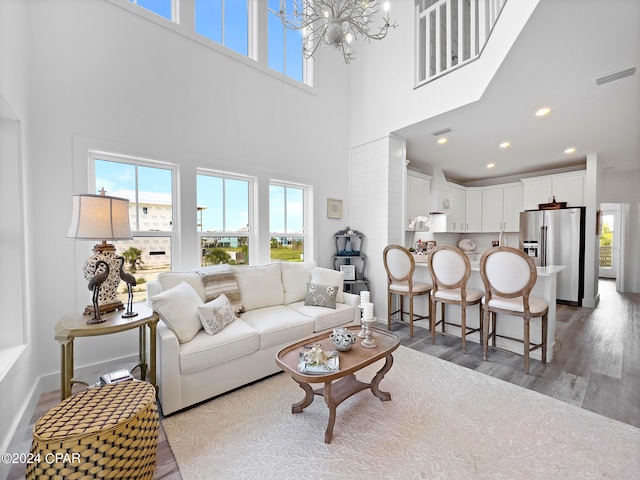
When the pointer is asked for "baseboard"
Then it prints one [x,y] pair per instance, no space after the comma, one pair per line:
[591,302]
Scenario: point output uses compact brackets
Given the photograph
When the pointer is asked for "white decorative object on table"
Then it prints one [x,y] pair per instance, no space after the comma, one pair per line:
[343,339]
[367,321]
[365,297]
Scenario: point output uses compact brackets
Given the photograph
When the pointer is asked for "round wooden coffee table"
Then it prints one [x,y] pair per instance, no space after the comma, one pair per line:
[339,385]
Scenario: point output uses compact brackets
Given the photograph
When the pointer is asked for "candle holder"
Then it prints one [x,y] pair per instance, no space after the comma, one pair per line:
[368,341]
[364,299]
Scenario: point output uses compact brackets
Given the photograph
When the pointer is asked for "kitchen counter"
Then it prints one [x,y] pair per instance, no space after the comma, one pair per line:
[545,287]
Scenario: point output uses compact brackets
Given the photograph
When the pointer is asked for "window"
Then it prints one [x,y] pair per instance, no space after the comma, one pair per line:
[287,207]
[223,218]
[149,186]
[225,22]
[164,8]
[285,45]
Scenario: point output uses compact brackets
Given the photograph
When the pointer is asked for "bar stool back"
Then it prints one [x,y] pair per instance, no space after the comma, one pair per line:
[509,275]
[450,270]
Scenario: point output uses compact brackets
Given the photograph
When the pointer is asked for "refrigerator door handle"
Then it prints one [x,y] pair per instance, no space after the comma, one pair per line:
[543,246]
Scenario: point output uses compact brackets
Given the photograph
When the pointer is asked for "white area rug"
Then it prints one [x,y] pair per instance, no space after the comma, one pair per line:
[443,421]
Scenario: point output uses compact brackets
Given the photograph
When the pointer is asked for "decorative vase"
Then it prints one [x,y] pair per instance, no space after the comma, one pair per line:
[343,339]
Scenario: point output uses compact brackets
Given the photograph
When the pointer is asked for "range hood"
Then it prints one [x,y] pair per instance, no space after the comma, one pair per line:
[440,199]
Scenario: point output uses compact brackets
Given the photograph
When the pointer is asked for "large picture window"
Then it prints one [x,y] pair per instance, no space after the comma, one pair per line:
[149,187]
[224,226]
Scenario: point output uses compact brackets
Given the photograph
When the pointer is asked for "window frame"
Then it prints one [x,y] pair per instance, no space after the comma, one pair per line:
[174,233]
[307,217]
[251,234]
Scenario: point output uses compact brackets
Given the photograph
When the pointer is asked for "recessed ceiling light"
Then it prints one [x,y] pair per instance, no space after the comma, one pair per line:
[442,140]
[491,165]
[505,145]
[543,111]
[570,150]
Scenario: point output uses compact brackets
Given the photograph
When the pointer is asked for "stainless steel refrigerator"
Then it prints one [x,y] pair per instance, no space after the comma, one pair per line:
[556,237]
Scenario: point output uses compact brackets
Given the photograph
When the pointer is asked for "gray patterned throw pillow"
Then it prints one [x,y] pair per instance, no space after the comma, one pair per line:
[321,295]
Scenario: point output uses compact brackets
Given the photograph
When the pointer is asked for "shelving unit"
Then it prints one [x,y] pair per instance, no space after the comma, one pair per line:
[350,252]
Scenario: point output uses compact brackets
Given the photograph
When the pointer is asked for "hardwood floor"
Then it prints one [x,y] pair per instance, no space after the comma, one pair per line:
[596,365]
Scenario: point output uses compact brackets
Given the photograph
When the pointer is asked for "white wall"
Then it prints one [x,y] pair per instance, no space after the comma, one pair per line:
[383,98]
[94,75]
[622,187]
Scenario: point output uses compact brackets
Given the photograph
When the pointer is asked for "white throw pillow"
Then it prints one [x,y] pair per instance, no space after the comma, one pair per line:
[260,285]
[324,276]
[178,308]
[295,276]
[216,314]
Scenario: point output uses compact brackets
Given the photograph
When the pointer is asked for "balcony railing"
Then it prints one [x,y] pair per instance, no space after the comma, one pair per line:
[451,33]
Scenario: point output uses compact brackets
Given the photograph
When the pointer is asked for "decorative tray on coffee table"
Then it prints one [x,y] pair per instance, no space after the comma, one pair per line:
[330,365]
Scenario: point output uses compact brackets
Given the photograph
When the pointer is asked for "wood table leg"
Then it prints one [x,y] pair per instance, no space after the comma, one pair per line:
[306,401]
[332,405]
[384,396]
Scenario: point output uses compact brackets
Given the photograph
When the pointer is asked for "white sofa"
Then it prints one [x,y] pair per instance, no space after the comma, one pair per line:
[275,315]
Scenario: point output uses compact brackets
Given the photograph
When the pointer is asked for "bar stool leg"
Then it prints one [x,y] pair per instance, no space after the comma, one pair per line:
[526,345]
[463,324]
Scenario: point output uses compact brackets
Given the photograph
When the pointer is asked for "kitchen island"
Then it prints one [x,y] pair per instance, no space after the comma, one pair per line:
[508,325]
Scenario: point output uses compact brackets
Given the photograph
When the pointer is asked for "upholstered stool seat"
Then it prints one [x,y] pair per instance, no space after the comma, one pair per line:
[418,287]
[455,294]
[103,432]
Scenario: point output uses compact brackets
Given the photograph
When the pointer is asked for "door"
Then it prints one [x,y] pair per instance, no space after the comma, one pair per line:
[531,224]
[610,241]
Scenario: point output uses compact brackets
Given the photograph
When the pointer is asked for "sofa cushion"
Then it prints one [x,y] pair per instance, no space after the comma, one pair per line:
[325,318]
[324,276]
[169,280]
[321,295]
[220,280]
[178,308]
[216,315]
[295,276]
[205,351]
[260,286]
[278,325]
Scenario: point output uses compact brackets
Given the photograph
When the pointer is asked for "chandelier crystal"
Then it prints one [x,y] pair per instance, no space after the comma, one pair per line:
[336,23]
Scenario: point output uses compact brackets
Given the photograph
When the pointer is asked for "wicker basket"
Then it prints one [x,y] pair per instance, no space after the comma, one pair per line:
[103,432]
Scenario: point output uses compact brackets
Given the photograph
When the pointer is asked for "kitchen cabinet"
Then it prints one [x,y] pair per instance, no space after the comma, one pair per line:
[418,195]
[501,207]
[473,210]
[457,208]
[566,187]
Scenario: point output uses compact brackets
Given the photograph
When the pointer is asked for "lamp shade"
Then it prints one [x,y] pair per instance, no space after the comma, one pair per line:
[99,217]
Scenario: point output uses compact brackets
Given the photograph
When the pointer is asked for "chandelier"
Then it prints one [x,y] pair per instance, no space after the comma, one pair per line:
[336,23]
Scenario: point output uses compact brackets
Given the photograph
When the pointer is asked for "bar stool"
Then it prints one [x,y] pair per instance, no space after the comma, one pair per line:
[509,275]
[400,265]
[450,270]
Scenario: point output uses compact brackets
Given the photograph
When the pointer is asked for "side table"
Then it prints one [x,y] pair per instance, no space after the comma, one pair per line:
[75,325]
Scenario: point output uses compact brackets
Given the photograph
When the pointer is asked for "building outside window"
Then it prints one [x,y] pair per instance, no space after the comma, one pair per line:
[149,187]
[287,212]
[224,213]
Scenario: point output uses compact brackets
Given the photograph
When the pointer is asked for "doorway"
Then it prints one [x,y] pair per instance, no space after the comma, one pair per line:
[610,253]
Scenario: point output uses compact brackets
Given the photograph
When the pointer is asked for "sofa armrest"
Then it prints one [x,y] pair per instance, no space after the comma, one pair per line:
[153,288]
[351,299]
[168,362]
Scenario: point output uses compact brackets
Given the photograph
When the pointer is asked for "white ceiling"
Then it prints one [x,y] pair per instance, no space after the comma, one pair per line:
[565,46]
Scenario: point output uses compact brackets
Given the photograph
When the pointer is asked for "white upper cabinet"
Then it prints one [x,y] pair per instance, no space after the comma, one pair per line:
[473,213]
[457,208]
[501,207]
[418,195]
[566,187]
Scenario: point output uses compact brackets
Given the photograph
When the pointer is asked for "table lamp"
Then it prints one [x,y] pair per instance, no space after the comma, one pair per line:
[100,217]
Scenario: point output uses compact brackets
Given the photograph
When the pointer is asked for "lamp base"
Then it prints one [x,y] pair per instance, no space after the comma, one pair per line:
[105,308]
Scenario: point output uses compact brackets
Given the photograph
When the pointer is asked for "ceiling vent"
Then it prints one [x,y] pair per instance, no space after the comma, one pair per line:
[441,132]
[616,76]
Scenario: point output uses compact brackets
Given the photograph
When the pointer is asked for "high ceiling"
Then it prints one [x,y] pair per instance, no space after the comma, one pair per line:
[565,46]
